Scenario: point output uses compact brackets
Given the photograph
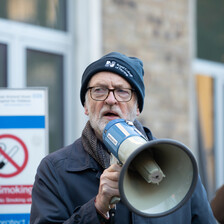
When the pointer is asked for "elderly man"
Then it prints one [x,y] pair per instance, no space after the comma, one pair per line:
[75,184]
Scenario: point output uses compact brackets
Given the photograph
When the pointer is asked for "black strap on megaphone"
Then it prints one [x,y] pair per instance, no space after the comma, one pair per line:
[112,215]
[111,220]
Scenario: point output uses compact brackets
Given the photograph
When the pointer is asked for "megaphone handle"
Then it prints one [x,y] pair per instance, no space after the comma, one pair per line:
[114,200]
[114,160]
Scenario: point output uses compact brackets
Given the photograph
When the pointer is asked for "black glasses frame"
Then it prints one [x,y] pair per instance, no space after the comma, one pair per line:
[110,90]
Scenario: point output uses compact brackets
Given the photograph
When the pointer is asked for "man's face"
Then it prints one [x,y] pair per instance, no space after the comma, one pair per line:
[101,112]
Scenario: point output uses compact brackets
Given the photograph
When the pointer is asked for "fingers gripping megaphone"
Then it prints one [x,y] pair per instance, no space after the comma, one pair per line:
[157,176]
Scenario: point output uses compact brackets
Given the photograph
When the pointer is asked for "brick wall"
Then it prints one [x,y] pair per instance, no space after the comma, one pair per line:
[157,32]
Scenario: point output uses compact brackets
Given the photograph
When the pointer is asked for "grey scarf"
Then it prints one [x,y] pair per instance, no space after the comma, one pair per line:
[95,147]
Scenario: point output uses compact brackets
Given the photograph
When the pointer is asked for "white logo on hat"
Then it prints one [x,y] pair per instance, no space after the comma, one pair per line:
[115,65]
[110,64]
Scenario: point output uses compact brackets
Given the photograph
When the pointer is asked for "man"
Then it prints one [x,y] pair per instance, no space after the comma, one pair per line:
[75,184]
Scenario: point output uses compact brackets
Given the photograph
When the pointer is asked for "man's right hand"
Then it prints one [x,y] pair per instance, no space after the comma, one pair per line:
[108,188]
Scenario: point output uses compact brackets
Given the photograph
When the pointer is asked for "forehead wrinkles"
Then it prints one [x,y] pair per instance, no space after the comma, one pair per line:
[108,79]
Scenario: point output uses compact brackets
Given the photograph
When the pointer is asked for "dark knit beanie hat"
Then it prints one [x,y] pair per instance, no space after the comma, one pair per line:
[130,68]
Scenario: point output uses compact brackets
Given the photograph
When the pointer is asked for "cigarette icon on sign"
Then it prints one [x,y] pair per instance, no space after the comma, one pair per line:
[10,153]
[13,155]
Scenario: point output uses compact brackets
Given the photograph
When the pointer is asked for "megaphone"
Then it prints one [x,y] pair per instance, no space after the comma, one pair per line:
[157,176]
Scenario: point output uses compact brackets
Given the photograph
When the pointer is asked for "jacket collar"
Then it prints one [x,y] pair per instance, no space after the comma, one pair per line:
[78,159]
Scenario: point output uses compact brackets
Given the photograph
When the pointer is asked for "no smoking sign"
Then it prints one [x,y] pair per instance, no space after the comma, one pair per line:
[23,144]
[13,155]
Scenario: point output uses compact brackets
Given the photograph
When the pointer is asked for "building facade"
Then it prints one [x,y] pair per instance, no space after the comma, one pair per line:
[50,44]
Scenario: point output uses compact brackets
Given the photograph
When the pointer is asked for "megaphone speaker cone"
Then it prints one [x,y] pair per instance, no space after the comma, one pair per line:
[155,200]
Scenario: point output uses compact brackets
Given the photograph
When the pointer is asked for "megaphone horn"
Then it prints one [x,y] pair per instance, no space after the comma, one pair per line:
[157,176]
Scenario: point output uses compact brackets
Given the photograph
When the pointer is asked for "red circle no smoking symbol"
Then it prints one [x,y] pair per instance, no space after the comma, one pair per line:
[13,155]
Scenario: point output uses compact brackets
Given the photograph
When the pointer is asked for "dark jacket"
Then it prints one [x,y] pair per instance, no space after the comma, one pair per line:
[67,182]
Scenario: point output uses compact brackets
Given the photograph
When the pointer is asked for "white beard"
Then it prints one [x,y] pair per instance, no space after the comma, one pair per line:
[98,123]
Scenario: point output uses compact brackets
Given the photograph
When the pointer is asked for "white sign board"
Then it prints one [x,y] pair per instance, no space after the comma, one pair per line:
[23,143]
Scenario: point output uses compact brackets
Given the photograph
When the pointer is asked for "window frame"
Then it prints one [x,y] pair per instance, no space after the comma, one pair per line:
[216,71]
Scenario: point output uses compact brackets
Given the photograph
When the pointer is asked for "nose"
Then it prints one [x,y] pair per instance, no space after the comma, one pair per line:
[111,98]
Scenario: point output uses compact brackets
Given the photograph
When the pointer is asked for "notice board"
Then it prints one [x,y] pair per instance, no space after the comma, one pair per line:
[23,143]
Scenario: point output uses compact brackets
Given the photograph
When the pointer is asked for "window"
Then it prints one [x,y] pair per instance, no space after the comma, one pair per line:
[210,30]
[38,56]
[209,71]
[46,69]
[50,13]
[48,34]
[210,100]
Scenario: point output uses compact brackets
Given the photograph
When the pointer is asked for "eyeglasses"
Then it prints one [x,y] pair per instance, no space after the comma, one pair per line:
[99,93]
